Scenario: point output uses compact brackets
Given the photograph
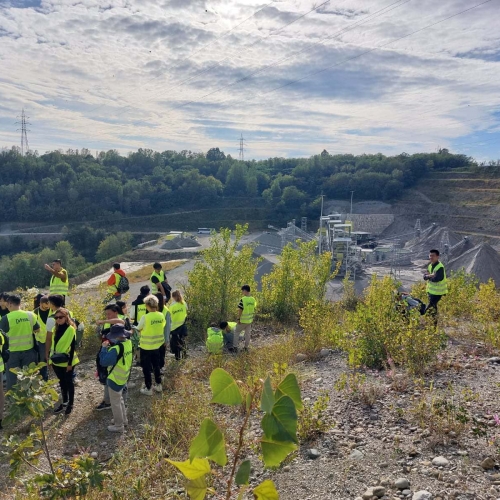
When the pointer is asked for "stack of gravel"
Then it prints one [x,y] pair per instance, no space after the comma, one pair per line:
[482,260]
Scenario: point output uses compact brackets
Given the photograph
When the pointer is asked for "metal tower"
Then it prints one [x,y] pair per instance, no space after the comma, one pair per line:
[242,148]
[418,228]
[24,132]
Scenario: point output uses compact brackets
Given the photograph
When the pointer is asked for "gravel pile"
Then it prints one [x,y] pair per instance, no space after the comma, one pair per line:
[435,238]
[401,229]
[179,243]
[482,260]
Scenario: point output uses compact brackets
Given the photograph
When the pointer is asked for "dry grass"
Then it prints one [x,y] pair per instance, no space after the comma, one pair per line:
[144,273]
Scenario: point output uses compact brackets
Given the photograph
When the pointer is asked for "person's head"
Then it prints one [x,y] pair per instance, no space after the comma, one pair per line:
[44,303]
[116,266]
[122,306]
[157,267]
[111,311]
[434,255]
[151,303]
[224,325]
[117,334]
[36,300]
[161,301]
[177,296]
[14,302]
[57,265]
[3,300]
[245,289]
[145,290]
[62,318]
[56,301]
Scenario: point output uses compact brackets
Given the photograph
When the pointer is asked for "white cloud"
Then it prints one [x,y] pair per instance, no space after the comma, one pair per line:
[132,73]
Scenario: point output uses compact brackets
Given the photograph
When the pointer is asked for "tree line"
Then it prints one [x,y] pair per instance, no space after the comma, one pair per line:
[76,185]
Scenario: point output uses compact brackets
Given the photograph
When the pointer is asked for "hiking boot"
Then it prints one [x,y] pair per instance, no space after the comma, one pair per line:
[59,409]
[103,406]
[113,422]
[68,410]
[158,388]
[146,391]
[114,428]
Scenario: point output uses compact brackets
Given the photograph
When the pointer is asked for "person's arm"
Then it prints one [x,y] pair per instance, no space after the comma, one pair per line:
[71,354]
[4,324]
[48,345]
[240,310]
[168,325]
[111,280]
[142,323]
[438,275]
[114,321]
[62,275]
[159,286]
[35,326]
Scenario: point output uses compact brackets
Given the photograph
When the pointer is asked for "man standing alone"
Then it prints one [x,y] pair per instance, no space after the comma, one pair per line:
[246,311]
[436,283]
[59,283]
[114,283]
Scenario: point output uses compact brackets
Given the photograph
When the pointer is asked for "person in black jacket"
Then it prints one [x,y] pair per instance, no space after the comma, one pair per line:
[138,309]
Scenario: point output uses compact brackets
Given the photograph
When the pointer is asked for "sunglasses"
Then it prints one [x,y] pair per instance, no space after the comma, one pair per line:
[59,317]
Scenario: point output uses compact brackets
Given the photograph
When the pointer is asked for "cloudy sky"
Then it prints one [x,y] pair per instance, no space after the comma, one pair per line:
[293,76]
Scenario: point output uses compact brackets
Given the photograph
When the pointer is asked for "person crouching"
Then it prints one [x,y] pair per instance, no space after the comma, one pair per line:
[116,354]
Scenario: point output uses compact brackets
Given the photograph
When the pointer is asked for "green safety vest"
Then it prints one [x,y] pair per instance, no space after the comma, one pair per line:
[249,305]
[114,288]
[439,288]
[161,278]
[21,330]
[140,311]
[178,311]
[215,340]
[120,373]
[64,346]
[2,342]
[152,334]
[58,286]
[41,335]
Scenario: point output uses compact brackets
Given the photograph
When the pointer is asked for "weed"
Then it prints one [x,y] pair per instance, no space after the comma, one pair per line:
[356,387]
[314,419]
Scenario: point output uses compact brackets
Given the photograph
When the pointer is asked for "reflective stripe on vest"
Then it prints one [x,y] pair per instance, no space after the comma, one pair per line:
[41,336]
[63,346]
[249,305]
[58,286]
[439,288]
[121,371]
[114,288]
[161,278]
[20,331]
[178,311]
[152,334]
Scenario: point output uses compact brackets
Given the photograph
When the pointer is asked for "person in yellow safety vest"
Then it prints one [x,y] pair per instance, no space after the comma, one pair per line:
[178,333]
[20,326]
[42,313]
[116,355]
[246,312]
[151,326]
[162,307]
[437,285]
[59,283]
[159,282]
[4,349]
[63,358]
[114,283]
[220,338]
[138,309]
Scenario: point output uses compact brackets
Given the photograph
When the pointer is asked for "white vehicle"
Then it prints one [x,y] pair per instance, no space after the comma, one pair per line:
[204,230]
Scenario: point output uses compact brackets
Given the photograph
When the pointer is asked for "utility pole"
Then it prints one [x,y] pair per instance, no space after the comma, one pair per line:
[321,225]
[352,193]
[24,132]
[242,148]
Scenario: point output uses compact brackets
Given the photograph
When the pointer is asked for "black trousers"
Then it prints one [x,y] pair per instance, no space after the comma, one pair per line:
[433,302]
[150,362]
[66,384]
[163,351]
[178,342]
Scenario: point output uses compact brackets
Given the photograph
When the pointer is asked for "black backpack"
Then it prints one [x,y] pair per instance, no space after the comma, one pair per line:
[4,345]
[124,285]
[102,371]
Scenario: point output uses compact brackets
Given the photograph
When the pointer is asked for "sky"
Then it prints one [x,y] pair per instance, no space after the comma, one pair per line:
[293,77]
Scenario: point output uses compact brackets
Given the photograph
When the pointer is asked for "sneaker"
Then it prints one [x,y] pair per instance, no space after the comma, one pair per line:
[147,392]
[68,410]
[114,428]
[113,422]
[103,406]
[158,388]
[59,409]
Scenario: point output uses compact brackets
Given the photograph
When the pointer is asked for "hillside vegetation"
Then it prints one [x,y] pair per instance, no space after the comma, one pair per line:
[76,186]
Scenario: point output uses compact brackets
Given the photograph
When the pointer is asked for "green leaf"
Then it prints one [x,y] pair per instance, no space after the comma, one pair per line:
[267,399]
[266,491]
[290,387]
[224,388]
[243,474]
[192,469]
[281,423]
[209,443]
[274,452]
[197,488]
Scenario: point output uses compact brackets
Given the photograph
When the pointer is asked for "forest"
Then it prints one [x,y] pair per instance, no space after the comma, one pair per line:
[78,186]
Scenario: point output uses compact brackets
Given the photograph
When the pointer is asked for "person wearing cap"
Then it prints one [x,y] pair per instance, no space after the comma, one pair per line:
[116,355]
[159,282]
